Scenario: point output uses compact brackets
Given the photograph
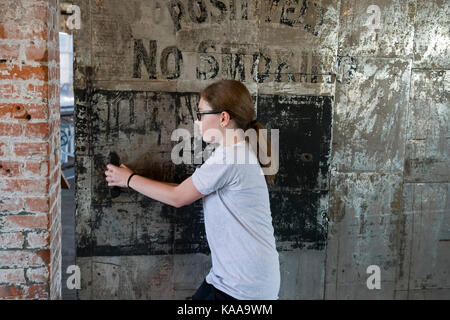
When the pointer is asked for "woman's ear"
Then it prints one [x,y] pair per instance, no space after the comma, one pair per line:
[225,116]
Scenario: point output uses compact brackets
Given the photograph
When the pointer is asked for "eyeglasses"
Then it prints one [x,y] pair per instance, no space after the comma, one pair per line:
[199,113]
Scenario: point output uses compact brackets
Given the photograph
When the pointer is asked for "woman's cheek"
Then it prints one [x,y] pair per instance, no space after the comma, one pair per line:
[212,135]
[202,128]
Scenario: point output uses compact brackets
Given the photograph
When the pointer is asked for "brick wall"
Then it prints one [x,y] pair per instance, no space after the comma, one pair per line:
[30,202]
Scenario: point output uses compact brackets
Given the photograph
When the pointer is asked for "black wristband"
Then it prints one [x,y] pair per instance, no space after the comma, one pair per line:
[128,183]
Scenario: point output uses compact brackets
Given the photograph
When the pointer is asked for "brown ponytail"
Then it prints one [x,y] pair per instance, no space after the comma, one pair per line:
[234,97]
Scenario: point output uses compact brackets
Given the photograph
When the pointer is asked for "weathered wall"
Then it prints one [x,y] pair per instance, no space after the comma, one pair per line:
[356,144]
[389,201]
[30,201]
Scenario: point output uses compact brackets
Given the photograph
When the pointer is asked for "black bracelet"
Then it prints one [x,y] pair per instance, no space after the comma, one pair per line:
[128,183]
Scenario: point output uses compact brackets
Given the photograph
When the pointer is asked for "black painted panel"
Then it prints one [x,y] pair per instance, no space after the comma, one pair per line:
[144,226]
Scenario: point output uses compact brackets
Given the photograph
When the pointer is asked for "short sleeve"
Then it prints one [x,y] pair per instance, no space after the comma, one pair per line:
[210,177]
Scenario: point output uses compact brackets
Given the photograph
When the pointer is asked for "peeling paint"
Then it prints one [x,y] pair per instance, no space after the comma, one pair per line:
[365,162]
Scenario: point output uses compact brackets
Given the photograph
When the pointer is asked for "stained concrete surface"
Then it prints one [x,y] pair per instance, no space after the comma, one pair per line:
[68,232]
[376,191]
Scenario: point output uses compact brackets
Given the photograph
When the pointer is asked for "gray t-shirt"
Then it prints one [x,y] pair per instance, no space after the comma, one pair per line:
[238,223]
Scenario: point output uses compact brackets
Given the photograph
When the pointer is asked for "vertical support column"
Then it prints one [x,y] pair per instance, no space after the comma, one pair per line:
[30,170]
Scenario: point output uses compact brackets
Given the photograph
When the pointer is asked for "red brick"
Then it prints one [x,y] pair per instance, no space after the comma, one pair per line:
[9,51]
[3,147]
[10,292]
[56,143]
[10,168]
[52,54]
[58,156]
[53,72]
[21,111]
[33,168]
[37,111]
[38,239]
[38,11]
[12,276]
[12,240]
[9,91]
[6,110]
[15,111]
[44,255]
[54,109]
[58,57]
[55,127]
[10,129]
[53,36]
[25,258]
[54,91]
[52,160]
[10,204]
[53,197]
[37,130]
[25,149]
[22,72]
[11,30]
[38,275]
[54,211]
[36,91]
[37,291]
[36,53]
[54,228]
[55,178]
[25,185]
[24,222]
[37,204]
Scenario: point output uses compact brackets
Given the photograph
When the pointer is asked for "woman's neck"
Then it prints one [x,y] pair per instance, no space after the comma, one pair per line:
[232,141]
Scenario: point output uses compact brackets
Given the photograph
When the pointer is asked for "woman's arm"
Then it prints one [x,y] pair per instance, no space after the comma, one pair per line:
[173,194]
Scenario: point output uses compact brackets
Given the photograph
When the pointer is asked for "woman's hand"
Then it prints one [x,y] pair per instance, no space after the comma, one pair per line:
[117,176]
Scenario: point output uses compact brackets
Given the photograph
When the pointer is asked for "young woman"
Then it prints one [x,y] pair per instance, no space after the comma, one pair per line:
[238,221]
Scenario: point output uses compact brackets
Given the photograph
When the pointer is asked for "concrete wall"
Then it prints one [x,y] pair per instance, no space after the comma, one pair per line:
[390,161]
[357,145]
